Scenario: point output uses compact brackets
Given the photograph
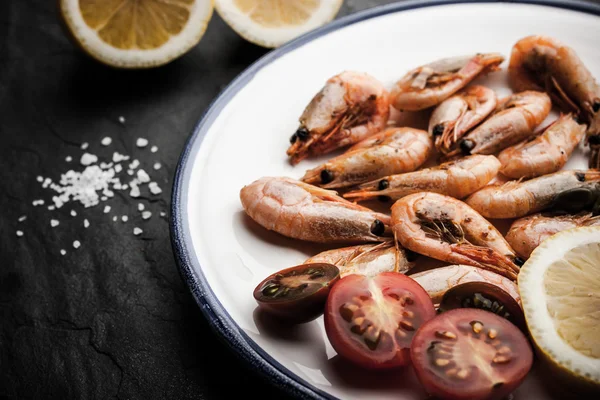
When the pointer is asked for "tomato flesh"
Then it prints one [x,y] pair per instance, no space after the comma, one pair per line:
[470,354]
[371,321]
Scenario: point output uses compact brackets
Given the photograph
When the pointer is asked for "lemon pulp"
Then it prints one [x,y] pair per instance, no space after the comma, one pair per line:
[572,287]
[136,24]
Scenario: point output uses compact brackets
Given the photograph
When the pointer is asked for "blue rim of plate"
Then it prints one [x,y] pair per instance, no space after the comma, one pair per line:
[213,310]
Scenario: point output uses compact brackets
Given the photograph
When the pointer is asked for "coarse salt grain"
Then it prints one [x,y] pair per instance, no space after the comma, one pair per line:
[119,157]
[88,159]
[106,141]
[84,145]
[76,244]
[163,214]
[134,164]
[137,231]
[54,222]
[86,223]
[115,218]
[129,172]
[40,179]
[51,208]
[68,158]
[157,166]
[141,207]
[135,190]
[141,142]
[106,209]
[38,202]
[154,149]
[73,213]
[118,168]
[19,233]
[154,188]
[124,218]
[143,176]
[146,215]
[122,119]
[22,218]
[63,252]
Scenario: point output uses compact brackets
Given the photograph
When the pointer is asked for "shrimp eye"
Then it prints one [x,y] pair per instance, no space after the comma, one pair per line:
[383,184]
[519,261]
[594,140]
[580,176]
[293,138]
[466,145]
[326,176]
[302,134]
[438,129]
[377,228]
[596,106]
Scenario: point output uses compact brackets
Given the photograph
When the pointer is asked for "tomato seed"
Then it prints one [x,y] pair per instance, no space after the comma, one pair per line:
[503,350]
[451,372]
[445,335]
[359,320]
[477,326]
[394,296]
[407,325]
[408,314]
[492,333]
[441,362]
[462,373]
[346,312]
[501,359]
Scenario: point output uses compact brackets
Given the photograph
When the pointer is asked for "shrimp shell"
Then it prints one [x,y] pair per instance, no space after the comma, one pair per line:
[430,84]
[455,116]
[457,179]
[438,281]
[515,199]
[392,151]
[366,259]
[514,122]
[302,211]
[447,229]
[546,153]
[349,108]
[527,233]
[543,63]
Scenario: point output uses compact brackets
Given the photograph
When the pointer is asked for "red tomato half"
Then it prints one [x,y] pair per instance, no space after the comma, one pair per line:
[371,320]
[470,354]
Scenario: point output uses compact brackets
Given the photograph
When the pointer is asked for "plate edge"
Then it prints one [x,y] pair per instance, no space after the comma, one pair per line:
[219,319]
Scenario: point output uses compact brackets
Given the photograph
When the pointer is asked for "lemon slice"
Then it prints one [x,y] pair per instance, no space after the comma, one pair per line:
[271,23]
[136,33]
[560,291]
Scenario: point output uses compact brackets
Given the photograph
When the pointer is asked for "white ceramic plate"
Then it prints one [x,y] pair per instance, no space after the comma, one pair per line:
[243,136]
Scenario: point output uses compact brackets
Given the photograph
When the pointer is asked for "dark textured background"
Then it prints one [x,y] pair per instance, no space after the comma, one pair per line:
[112,319]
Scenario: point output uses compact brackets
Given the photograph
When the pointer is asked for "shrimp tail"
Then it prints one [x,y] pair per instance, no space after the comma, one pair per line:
[488,259]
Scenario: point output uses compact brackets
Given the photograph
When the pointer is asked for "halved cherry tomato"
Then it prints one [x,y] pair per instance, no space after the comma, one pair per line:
[371,320]
[297,294]
[470,354]
[484,296]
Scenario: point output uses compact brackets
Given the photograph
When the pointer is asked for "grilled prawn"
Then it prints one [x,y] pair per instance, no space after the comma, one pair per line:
[306,212]
[447,229]
[349,108]
[392,151]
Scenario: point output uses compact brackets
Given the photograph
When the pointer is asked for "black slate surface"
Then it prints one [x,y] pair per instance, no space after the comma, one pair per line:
[113,318]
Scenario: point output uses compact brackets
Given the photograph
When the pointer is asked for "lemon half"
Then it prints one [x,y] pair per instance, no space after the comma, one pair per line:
[560,291]
[271,23]
[136,33]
